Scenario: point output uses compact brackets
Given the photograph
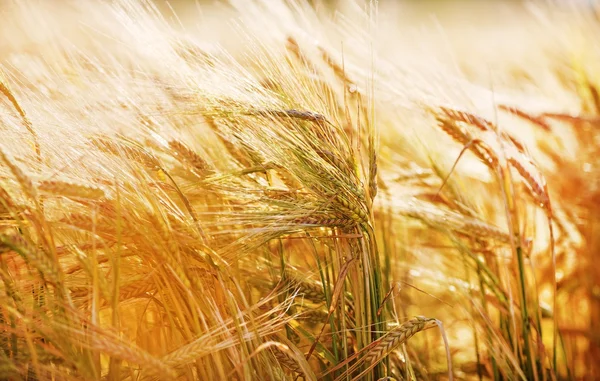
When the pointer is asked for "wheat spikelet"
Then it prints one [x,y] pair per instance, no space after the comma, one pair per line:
[453,130]
[6,204]
[235,152]
[336,67]
[79,292]
[133,355]
[309,289]
[294,48]
[538,121]
[468,118]
[329,182]
[130,152]
[483,125]
[312,291]
[136,289]
[336,161]
[187,353]
[5,89]
[314,316]
[37,258]
[456,222]
[477,228]
[11,288]
[79,220]
[281,195]
[354,211]
[68,189]
[573,119]
[373,176]
[100,226]
[324,221]
[536,186]
[294,114]
[285,359]
[345,168]
[126,292]
[518,145]
[19,175]
[483,152]
[5,199]
[288,179]
[397,336]
[192,158]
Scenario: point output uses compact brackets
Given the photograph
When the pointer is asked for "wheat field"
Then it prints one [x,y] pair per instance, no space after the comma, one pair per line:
[295,190]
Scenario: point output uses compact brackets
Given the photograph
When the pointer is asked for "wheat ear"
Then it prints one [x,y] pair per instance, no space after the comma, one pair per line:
[36,257]
[68,189]
[4,89]
[185,154]
[127,150]
[19,175]
[280,351]
[468,118]
[397,336]
[378,350]
[324,221]
[538,121]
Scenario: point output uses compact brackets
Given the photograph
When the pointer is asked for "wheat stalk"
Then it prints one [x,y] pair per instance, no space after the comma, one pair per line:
[173,256]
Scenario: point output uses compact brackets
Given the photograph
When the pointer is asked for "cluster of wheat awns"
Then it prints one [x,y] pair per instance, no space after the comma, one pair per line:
[168,210]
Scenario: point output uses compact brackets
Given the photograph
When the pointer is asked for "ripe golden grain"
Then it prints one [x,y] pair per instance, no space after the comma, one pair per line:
[185,154]
[397,336]
[70,189]
[20,176]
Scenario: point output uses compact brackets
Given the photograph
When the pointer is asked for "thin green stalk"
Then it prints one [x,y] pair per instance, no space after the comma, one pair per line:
[375,295]
[495,369]
[334,333]
[524,312]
